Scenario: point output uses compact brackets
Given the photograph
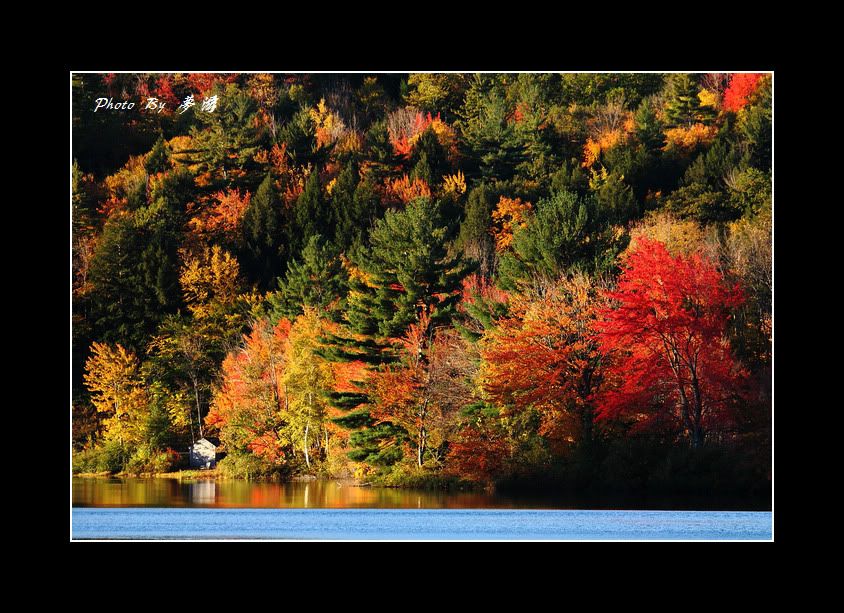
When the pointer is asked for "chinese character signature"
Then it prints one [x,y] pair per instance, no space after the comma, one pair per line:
[184,106]
[208,105]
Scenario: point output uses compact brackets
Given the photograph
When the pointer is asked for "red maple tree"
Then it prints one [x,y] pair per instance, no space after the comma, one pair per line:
[164,91]
[671,363]
[741,86]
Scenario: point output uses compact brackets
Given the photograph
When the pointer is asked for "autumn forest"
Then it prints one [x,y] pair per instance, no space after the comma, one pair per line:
[556,281]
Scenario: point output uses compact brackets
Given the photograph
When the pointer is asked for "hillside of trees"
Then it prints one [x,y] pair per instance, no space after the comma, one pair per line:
[427,279]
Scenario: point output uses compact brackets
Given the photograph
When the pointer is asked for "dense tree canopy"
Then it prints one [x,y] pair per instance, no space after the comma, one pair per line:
[426,277]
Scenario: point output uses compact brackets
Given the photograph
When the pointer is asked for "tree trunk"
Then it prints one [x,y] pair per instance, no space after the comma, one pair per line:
[587,416]
[307,457]
[420,448]
[675,362]
[190,419]
[697,432]
[423,442]
[697,437]
[684,414]
[423,434]
[586,419]
[198,411]
[684,399]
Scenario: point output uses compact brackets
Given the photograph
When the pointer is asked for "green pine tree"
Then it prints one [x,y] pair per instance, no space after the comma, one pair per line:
[379,152]
[649,130]
[754,126]
[311,216]
[262,226]
[158,159]
[134,279]
[711,166]
[615,198]
[428,160]
[355,207]
[683,107]
[315,280]
[406,270]
[486,129]
[475,239]
[300,135]
[410,268]
[566,232]
[228,138]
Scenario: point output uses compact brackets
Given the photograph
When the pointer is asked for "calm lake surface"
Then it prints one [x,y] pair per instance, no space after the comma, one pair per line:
[232,509]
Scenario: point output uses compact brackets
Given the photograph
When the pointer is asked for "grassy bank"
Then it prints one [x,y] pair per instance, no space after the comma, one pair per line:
[176,474]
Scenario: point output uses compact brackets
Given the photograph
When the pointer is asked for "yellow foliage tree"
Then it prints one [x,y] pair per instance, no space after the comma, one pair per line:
[688,138]
[182,147]
[263,89]
[709,98]
[604,142]
[454,184]
[329,188]
[680,237]
[117,392]
[210,282]
[591,151]
[508,215]
[329,126]
[307,379]
[348,142]
[132,179]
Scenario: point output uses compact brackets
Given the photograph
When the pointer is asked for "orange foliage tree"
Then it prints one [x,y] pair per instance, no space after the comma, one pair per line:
[479,452]
[405,191]
[288,178]
[405,126]
[688,138]
[247,409]
[264,90]
[543,356]
[203,83]
[476,288]
[425,391]
[222,218]
[610,126]
[508,215]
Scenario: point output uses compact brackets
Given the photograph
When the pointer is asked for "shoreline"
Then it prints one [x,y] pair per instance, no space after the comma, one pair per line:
[215,474]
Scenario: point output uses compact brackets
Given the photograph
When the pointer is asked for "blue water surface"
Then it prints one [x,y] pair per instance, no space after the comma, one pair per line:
[417,524]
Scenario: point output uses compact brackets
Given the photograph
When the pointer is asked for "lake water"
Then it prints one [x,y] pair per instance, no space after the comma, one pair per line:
[223,509]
